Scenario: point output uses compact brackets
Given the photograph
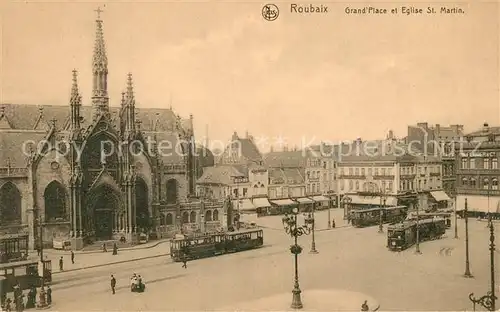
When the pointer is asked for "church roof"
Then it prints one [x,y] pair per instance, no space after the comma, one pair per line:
[25,116]
[12,145]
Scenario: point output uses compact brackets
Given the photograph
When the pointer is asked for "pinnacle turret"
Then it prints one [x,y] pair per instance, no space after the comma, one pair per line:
[100,100]
[75,102]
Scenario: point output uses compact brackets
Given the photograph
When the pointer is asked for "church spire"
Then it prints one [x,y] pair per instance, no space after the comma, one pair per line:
[130,105]
[75,103]
[100,100]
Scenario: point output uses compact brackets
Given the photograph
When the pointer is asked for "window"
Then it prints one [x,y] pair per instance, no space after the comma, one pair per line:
[486,183]
[245,191]
[402,185]
[464,181]
[383,171]
[376,171]
[308,174]
[308,188]
[389,171]
[357,185]
[473,182]
[494,163]
[324,177]
[350,185]
[494,184]
[369,171]
[464,163]
[362,171]
[235,192]
[357,171]
[486,163]
[341,185]
[324,165]
[472,164]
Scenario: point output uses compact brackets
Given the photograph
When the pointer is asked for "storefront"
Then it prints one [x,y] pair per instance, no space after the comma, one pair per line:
[440,200]
[262,206]
[322,202]
[305,204]
[281,206]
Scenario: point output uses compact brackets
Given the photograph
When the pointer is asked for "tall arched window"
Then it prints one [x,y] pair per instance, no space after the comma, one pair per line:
[169,220]
[142,204]
[185,217]
[208,215]
[172,189]
[472,182]
[215,216]
[486,183]
[163,219]
[192,217]
[10,204]
[55,202]
[494,184]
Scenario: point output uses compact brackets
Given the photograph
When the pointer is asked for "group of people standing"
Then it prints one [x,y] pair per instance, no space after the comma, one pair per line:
[19,304]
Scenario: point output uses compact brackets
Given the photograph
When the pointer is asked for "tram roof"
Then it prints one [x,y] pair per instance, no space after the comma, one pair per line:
[17,264]
[204,235]
[13,236]
[378,208]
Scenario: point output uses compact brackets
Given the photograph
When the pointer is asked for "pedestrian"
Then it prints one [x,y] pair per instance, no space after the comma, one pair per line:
[72,257]
[8,307]
[104,249]
[38,250]
[49,295]
[364,306]
[333,223]
[184,262]
[113,284]
[115,249]
[61,262]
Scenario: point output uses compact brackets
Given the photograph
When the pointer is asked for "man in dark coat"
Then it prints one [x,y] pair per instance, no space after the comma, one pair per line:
[61,262]
[113,284]
[49,295]
[115,249]
[72,257]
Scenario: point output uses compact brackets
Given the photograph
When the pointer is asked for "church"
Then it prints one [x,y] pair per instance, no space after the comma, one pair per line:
[87,174]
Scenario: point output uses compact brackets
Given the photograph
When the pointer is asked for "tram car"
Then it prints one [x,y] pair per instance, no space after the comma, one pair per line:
[371,217]
[429,215]
[403,235]
[214,244]
[13,248]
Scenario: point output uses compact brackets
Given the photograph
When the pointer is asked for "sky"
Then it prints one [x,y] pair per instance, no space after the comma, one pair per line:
[330,76]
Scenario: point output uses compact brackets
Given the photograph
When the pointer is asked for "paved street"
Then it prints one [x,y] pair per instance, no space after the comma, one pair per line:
[398,281]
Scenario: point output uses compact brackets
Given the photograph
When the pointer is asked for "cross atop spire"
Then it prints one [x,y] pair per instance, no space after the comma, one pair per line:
[99,11]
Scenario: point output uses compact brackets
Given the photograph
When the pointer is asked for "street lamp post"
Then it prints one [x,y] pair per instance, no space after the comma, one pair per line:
[456,219]
[42,304]
[346,200]
[488,301]
[467,265]
[291,227]
[329,208]
[312,221]
[417,246]
[381,215]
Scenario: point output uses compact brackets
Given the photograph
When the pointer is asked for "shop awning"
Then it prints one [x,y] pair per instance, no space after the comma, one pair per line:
[283,202]
[440,196]
[372,200]
[478,203]
[243,204]
[304,200]
[261,202]
[320,198]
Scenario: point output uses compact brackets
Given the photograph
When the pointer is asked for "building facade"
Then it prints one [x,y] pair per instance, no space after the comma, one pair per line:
[91,173]
[478,171]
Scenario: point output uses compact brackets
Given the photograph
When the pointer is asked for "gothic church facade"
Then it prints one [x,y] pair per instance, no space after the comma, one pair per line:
[97,173]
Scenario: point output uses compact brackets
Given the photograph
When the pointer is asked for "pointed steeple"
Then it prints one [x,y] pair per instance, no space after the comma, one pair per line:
[130,105]
[75,103]
[4,122]
[100,100]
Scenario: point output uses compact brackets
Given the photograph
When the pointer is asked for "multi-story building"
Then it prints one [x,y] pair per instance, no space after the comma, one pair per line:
[438,141]
[240,151]
[478,171]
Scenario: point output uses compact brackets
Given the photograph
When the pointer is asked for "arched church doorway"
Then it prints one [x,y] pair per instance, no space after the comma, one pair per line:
[55,202]
[142,205]
[104,206]
[10,205]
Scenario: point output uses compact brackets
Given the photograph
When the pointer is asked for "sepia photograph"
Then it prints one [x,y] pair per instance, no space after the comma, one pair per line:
[249,156]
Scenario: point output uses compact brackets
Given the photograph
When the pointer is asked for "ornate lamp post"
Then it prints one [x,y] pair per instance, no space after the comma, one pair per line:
[417,246]
[467,266]
[346,200]
[291,227]
[311,221]
[42,303]
[488,301]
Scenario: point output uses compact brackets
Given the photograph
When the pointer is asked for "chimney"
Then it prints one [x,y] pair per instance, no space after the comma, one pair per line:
[438,130]
[486,127]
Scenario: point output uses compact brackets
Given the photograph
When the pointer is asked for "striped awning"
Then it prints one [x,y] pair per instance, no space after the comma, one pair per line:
[479,203]
[243,204]
[283,202]
[261,202]
[440,196]
[320,198]
[304,200]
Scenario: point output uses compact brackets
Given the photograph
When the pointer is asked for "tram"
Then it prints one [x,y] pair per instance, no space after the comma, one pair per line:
[214,244]
[429,215]
[403,235]
[370,217]
[25,274]
[13,247]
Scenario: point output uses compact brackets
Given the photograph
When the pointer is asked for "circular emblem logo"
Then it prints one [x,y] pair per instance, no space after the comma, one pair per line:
[270,12]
